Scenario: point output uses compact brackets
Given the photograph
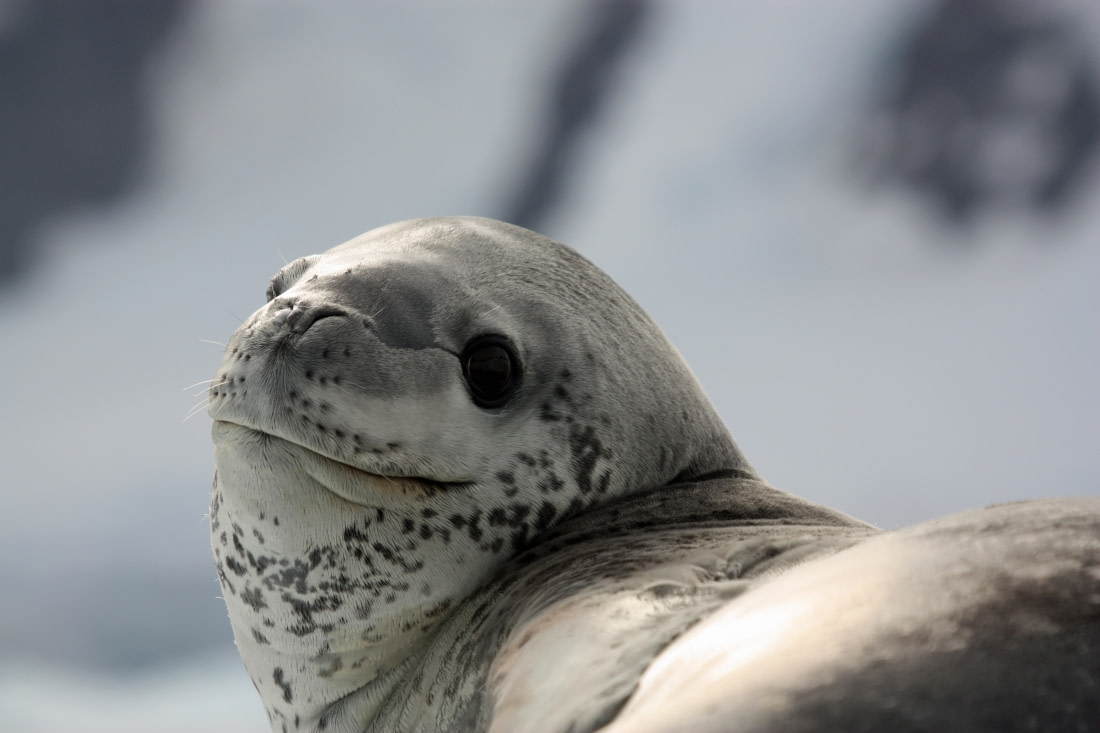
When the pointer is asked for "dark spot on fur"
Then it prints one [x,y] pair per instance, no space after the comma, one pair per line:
[291,576]
[225,582]
[550,483]
[586,450]
[277,675]
[354,534]
[519,539]
[237,568]
[547,414]
[545,515]
[258,637]
[506,477]
[472,527]
[397,559]
[254,598]
[519,513]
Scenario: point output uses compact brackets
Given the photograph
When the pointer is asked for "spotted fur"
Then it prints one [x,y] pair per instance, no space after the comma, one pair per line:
[394,556]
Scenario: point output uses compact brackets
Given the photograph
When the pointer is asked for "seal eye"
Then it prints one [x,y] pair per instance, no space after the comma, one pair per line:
[491,369]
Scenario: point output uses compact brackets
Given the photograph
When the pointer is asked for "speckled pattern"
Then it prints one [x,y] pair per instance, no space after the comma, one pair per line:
[361,493]
[396,555]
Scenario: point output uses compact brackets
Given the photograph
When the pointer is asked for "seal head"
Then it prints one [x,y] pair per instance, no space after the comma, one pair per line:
[407,412]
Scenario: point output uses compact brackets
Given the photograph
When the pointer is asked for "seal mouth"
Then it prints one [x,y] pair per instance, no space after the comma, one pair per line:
[358,475]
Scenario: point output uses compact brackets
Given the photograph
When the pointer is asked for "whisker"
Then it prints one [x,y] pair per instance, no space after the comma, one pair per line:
[196,384]
[196,409]
[213,385]
[211,341]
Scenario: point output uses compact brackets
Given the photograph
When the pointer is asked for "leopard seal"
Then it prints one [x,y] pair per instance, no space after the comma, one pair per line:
[463,482]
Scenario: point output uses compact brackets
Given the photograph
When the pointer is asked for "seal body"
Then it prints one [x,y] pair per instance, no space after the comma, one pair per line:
[465,483]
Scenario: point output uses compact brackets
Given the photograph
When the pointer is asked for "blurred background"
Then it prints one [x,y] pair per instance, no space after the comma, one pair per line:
[872,227]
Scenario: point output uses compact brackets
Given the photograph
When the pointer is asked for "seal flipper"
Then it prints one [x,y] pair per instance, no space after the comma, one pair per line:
[987,620]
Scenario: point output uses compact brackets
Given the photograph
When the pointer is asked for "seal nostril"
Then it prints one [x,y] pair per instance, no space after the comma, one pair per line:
[312,315]
[299,318]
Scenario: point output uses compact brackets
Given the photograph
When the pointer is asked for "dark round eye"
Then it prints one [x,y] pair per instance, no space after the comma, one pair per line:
[491,368]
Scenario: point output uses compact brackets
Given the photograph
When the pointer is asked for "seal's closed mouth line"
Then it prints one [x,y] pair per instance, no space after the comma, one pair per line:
[392,478]
[312,451]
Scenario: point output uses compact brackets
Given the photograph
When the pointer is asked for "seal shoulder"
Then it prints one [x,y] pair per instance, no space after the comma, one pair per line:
[987,620]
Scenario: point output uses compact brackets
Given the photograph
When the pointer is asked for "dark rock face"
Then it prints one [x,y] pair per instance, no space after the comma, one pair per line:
[577,95]
[73,122]
[990,103]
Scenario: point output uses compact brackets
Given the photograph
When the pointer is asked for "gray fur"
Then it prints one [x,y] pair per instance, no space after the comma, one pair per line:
[394,557]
